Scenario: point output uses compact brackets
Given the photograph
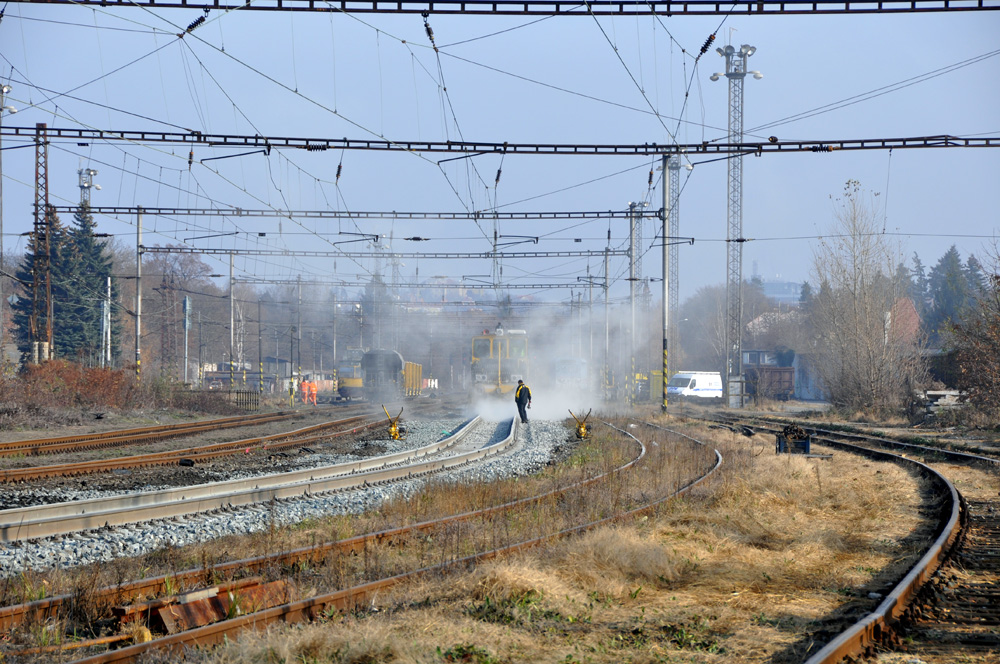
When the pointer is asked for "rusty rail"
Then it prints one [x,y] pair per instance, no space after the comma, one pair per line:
[276,441]
[359,596]
[49,607]
[119,437]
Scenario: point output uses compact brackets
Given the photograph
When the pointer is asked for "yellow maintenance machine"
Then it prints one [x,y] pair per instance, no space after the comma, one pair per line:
[582,428]
[396,432]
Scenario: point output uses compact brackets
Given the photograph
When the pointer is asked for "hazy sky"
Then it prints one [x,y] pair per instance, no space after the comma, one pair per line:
[494,79]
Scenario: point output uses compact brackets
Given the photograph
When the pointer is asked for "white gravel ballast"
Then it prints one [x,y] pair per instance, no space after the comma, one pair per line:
[536,444]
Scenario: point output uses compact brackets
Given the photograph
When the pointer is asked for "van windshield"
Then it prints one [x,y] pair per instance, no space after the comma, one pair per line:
[679,381]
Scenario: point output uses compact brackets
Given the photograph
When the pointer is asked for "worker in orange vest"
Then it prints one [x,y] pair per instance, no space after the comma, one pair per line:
[304,390]
[313,389]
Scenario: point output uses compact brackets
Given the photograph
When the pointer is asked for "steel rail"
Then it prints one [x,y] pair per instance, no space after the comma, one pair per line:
[298,437]
[25,523]
[878,626]
[153,586]
[138,435]
[359,596]
[554,7]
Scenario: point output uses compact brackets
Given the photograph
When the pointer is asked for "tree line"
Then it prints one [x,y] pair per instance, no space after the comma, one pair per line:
[873,327]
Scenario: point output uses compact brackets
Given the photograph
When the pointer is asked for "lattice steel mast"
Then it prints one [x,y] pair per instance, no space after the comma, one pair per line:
[736,71]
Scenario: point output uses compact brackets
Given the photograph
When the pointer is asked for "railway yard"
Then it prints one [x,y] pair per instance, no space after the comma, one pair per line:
[312,535]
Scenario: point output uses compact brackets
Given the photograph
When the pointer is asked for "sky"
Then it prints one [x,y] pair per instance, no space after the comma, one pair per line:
[563,79]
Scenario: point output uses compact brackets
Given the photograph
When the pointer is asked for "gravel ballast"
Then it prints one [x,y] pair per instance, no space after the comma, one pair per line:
[537,444]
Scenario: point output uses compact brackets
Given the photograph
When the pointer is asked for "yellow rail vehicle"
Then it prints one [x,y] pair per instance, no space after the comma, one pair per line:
[499,360]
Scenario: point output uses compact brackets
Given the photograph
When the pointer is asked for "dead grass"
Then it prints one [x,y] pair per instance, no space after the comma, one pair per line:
[744,570]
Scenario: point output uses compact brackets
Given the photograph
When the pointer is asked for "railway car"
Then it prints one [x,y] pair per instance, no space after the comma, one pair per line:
[349,379]
[386,376]
[499,360]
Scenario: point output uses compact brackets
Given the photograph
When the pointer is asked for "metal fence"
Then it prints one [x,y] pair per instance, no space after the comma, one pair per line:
[245,399]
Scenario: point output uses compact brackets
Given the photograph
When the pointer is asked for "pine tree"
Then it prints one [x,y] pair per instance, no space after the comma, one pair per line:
[88,269]
[975,275]
[951,296]
[22,308]
[918,277]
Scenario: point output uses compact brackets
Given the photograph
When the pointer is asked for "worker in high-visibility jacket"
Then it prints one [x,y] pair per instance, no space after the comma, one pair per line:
[522,397]
[313,390]
[304,391]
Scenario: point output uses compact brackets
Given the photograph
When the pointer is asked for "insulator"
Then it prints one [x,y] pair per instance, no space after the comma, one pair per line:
[499,171]
[195,23]
[650,183]
[316,148]
[190,158]
[340,167]
[708,42]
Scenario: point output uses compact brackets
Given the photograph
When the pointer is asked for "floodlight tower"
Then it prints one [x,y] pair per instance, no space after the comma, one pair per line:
[86,184]
[736,71]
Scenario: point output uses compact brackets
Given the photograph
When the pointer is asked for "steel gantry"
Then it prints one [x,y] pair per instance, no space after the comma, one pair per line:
[314,144]
[556,7]
[394,215]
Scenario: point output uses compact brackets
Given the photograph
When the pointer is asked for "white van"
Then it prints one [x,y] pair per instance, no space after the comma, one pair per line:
[695,385]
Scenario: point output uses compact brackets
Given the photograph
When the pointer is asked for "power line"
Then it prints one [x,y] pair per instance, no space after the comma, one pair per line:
[556,7]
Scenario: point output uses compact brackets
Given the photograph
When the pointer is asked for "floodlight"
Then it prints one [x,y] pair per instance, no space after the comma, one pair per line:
[748,50]
[756,74]
[9,109]
[715,76]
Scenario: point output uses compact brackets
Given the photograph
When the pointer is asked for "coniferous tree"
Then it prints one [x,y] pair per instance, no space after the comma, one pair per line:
[88,270]
[975,275]
[951,295]
[22,308]
[918,279]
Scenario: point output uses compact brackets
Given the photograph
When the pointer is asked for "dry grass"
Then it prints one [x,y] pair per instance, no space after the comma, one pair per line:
[741,571]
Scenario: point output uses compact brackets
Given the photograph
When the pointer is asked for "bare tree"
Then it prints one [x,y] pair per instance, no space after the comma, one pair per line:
[867,340]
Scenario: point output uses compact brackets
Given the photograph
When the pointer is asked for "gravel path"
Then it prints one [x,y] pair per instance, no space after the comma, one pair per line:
[539,443]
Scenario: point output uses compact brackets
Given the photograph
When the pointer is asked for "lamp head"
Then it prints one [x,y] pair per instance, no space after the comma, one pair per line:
[747,50]
[715,76]
[756,74]
[6,89]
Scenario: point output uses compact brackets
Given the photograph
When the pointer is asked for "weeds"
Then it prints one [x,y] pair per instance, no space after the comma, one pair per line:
[467,652]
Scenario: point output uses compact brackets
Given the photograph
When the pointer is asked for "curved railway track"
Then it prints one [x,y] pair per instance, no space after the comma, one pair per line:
[122,437]
[297,438]
[948,605]
[344,599]
[27,523]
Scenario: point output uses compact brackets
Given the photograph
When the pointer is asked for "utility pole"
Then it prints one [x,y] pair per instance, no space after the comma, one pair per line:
[260,350]
[668,271]
[187,327]
[736,71]
[138,294]
[4,108]
[232,331]
[106,355]
[670,203]
[41,274]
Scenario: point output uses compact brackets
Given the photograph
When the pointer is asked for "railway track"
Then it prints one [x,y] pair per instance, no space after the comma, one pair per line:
[297,438]
[21,524]
[122,437]
[947,607]
[355,596]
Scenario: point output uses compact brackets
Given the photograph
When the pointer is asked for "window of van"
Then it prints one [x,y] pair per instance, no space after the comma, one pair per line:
[679,381]
[694,382]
